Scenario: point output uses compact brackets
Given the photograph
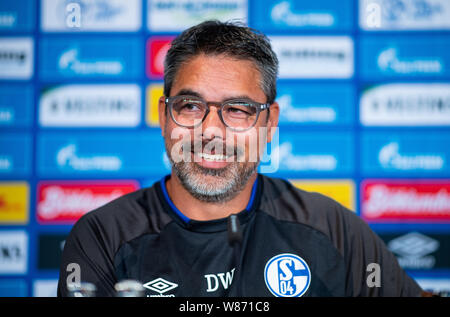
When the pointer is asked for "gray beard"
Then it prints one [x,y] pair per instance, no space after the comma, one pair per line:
[228,181]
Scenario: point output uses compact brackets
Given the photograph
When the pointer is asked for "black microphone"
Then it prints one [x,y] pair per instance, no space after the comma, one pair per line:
[235,241]
[234,230]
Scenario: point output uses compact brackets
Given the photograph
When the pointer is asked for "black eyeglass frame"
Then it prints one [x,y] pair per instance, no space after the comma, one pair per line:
[259,107]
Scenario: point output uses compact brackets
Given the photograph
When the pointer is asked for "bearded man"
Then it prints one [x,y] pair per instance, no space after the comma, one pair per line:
[215,226]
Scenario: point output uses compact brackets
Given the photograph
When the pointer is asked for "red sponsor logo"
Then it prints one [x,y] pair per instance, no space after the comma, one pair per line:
[405,201]
[66,202]
[157,48]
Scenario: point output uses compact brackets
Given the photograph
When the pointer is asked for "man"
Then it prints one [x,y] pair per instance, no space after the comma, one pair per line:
[215,227]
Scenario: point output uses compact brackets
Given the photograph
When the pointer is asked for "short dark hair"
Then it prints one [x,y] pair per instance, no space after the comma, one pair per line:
[229,38]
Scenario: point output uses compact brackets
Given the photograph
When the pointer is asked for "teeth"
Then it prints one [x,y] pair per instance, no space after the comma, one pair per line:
[212,157]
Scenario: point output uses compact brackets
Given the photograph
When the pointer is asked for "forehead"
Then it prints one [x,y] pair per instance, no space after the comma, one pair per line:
[219,77]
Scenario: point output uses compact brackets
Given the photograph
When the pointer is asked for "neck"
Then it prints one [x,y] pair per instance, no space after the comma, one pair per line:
[199,210]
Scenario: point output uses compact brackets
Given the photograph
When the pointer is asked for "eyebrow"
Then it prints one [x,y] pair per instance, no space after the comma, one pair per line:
[191,92]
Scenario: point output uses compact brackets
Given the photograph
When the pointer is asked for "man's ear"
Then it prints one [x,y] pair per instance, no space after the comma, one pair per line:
[272,121]
[162,113]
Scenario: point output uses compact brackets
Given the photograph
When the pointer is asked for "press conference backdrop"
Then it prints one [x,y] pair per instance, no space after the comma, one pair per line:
[364,91]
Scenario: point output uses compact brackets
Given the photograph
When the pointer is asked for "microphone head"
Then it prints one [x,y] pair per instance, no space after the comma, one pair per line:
[129,288]
[234,230]
[83,289]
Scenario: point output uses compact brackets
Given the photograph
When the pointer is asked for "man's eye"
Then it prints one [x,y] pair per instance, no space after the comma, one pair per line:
[236,110]
[240,109]
[190,106]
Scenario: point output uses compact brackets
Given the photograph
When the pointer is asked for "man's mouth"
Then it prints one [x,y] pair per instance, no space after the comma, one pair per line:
[213,157]
[211,160]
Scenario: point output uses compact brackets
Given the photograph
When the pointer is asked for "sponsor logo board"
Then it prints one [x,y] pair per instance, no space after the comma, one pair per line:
[13,252]
[314,56]
[157,47]
[418,250]
[405,153]
[16,58]
[153,93]
[406,104]
[15,154]
[93,57]
[434,284]
[317,153]
[91,15]
[395,15]
[45,288]
[66,202]
[178,15]
[14,202]
[315,104]
[17,15]
[405,200]
[113,154]
[13,287]
[288,15]
[107,105]
[384,56]
[343,191]
[16,106]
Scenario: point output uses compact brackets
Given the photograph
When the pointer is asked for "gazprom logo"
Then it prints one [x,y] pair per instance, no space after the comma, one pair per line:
[68,157]
[283,14]
[71,62]
[390,61]
[287,275]
[304,162]
[391,157]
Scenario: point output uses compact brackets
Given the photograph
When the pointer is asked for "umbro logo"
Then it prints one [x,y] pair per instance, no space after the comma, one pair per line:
[160,286]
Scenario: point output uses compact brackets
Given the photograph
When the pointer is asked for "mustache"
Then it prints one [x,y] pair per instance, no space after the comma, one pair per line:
[182,151]
[214,146]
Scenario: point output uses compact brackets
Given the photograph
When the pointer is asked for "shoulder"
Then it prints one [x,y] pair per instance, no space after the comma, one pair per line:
[122,219]
[284,201]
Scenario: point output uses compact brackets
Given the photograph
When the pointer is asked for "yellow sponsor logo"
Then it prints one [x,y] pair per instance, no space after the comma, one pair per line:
[343,191]
[14,202]
[153,93]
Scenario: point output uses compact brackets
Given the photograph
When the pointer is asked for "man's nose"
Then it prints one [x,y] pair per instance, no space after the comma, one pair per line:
[212,125]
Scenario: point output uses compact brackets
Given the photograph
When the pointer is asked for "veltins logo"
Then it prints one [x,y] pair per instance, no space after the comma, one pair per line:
[287,275]
[423,200]
[66,202]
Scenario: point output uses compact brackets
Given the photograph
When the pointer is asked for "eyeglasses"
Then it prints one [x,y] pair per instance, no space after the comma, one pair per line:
[237,114]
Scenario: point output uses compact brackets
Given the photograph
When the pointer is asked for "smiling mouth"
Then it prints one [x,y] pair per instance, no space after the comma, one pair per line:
[213,157]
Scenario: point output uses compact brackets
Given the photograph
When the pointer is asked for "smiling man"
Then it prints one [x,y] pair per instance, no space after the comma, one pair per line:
[215,226]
